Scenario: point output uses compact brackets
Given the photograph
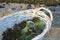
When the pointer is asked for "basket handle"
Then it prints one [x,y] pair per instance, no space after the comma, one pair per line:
[50,13]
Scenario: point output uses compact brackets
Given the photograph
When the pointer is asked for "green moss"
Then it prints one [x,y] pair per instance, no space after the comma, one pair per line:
[47,2]
[26,30]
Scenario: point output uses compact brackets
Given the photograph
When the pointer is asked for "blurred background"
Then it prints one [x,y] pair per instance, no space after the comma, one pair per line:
[11,6]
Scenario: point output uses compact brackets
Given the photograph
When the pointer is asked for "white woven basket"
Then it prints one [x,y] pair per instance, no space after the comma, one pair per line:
[10,20]
[48,21]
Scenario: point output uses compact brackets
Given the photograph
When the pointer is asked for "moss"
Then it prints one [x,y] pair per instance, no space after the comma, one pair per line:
[16,32]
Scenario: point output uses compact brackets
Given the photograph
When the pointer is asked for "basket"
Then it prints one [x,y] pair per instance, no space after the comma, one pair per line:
[10,20]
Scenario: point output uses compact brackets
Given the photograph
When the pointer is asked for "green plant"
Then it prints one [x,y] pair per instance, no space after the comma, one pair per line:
[26,30]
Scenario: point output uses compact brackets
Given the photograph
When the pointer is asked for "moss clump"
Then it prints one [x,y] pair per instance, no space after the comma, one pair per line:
[26,30]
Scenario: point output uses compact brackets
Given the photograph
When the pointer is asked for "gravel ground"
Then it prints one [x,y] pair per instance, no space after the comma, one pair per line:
[54,32]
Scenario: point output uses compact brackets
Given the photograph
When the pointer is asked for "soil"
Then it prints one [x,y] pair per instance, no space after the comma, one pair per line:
[53,34]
